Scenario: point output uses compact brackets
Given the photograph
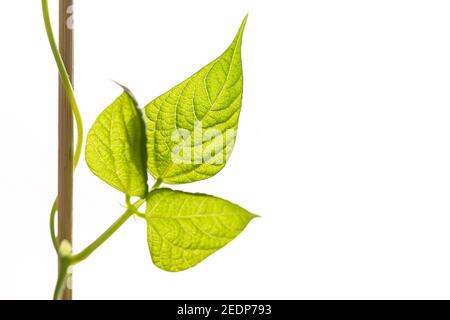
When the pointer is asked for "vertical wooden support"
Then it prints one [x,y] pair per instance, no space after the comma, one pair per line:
[65,134]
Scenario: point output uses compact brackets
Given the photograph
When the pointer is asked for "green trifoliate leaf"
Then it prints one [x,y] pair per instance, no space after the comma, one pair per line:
[191,129]
[115,149]
[185,228]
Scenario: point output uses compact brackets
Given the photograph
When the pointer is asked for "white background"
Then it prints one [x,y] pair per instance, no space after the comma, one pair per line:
[343,147]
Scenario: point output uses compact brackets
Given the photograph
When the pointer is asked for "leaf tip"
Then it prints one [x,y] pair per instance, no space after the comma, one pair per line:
[127,91]
[238,38]
[254,215]
[244,22]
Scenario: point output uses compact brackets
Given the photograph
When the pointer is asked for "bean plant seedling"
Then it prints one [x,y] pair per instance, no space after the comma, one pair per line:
[185,135]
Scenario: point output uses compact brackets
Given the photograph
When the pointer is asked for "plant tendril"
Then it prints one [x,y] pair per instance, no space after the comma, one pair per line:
[73,106]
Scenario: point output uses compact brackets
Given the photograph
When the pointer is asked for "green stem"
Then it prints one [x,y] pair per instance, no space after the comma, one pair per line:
[138,214]
[52,226]
[133,208]
[76,258]
[62,278]
[66,261]
[69,90]
[73,105]
[156,185]
[65,80]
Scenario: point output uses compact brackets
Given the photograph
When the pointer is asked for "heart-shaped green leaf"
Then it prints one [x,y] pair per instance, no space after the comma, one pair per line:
[185,228]
[115,147]
[191,129]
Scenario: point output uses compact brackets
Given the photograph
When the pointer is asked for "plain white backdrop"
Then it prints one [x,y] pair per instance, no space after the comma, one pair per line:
[343,147]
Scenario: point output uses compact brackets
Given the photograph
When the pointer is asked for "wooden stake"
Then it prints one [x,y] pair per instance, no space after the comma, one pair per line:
[65,134]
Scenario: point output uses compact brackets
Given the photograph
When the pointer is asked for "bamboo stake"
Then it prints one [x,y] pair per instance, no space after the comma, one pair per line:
[65,135]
